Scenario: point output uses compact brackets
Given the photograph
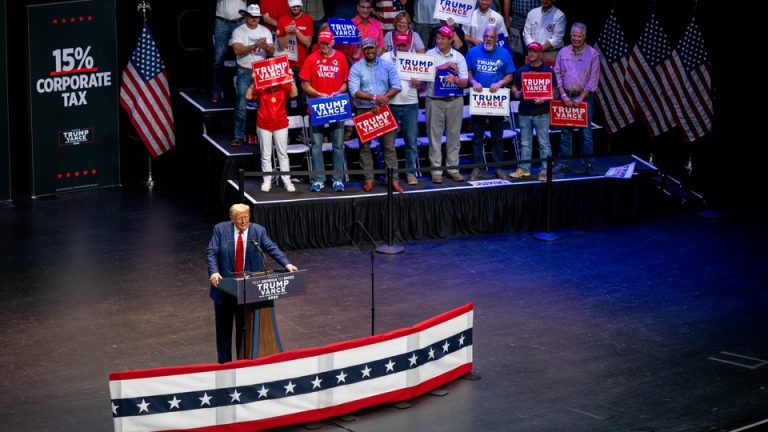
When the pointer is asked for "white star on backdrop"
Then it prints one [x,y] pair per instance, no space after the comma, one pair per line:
[431,353]
[289,387]
[390,366]
[461,340]
[445,347]
[114,408]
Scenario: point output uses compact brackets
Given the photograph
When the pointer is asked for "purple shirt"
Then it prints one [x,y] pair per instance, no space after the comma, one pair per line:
[577,73]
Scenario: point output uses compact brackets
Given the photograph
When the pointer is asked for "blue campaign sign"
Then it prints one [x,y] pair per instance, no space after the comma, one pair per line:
[344,31]
[446,89]
[329,110]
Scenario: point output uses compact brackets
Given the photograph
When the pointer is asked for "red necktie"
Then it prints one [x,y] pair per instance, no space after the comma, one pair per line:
[239,254]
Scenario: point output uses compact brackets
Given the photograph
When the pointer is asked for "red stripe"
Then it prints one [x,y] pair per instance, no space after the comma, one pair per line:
[133,95]
[137,97]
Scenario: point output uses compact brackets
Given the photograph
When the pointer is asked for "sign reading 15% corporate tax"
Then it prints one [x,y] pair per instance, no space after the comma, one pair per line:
[74,71]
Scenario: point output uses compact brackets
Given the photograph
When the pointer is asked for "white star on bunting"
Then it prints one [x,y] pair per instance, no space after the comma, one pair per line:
[205,400]
[235,396]
[263,392]
[289,387]
[143,406]
[390,366]
[341,377]
[316,382]
[366,372]
[412,359]
[174,403]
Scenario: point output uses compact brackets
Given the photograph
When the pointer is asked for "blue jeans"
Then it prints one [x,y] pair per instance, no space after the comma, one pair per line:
[244,80]
[222,32]
[541,123]
[566,134]
[480,124]
[407,116]
[337,139]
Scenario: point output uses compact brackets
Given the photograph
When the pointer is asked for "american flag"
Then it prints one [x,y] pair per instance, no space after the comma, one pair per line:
[692,84]
[649,75]
[145,96]
[611,94]
[297,386]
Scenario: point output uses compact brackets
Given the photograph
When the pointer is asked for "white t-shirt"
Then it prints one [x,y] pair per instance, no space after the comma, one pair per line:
[246,36]
[480,21]
[229,9]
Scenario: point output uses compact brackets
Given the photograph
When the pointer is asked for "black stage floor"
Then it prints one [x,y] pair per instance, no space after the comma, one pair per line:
[654,325]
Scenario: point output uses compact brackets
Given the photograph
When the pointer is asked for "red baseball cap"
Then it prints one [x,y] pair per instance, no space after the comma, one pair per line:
[446,31]
[535,46]
[325,36]
[399,38]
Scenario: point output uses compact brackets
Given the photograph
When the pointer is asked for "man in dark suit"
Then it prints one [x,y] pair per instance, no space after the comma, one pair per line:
[233,249]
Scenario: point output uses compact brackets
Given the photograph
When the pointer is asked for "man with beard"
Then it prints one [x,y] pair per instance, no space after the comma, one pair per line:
[489,67]
[374,83]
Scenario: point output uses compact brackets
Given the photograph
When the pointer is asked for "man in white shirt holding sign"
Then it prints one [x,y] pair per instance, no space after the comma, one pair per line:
[251,42]
[405,105]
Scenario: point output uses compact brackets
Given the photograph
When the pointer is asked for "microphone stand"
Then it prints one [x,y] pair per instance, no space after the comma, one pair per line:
[367,246]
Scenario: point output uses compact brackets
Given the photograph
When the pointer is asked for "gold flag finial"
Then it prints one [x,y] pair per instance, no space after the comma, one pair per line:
[143,7]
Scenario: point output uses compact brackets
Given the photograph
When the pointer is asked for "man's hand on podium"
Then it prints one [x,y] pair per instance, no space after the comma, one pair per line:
[291,268]
[215,279]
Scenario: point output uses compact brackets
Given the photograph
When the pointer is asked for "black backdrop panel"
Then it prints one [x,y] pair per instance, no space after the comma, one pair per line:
[5,151]
[73,96]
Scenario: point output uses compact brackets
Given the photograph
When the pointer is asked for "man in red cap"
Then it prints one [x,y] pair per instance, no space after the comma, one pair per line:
[444,112]
[533,113]
[325,74]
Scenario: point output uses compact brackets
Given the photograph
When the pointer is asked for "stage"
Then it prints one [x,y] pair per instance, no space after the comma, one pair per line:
[306,219]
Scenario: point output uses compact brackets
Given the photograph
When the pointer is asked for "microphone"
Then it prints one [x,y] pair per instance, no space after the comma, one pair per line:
[261,255]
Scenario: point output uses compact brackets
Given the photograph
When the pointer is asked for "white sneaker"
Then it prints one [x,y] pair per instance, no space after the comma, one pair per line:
[289,187]
[265,187]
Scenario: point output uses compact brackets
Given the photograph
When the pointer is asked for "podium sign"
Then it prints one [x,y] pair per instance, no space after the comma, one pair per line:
[258,288]
[274,286]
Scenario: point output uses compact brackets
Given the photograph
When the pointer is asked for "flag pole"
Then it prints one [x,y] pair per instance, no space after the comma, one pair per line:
[143,7]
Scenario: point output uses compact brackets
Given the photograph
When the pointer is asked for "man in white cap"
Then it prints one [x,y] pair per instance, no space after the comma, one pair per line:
[251,42]
[294,37]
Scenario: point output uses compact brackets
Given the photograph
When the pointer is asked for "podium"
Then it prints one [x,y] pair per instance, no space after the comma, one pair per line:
[257,293]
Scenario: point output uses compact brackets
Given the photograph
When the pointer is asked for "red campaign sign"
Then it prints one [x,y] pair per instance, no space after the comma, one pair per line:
[561,115]
[374,124]
[537,85]
[271,72]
